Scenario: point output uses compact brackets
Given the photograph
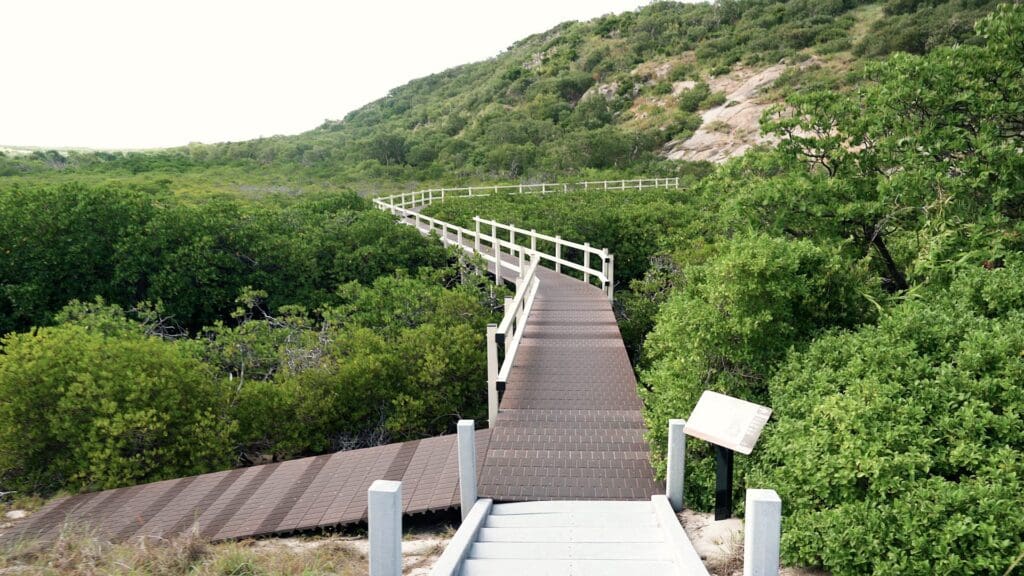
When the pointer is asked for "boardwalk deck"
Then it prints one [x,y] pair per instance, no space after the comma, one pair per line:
[570,424]
[569,428]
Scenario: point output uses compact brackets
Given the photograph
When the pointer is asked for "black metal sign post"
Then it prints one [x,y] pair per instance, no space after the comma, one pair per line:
[723,483]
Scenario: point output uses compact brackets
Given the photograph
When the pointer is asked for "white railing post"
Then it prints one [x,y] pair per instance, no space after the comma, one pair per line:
[762,533]
[476,239]
[512,235]
[611,276]
[558,254]
[586,262]
[384,517]
[458,236]
[467,465]
[513,328]
[497,254]
[675,479]
[522,270]
[605,184]
[533,240]
[492,374]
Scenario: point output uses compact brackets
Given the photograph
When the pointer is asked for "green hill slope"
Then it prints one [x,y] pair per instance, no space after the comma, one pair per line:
[583,97]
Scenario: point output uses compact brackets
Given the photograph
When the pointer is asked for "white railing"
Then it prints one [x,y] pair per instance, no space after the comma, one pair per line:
[429,196]
[512,249]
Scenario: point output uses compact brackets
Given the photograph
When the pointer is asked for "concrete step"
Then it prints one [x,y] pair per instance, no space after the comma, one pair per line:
[593,534]
[571,520]
[640,507]
[571,551]
[478,567]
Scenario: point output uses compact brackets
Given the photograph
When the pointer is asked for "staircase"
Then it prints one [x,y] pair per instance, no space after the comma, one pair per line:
[593,538]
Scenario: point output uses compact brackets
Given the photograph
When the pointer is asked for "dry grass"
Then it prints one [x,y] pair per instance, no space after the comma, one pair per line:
[78,553]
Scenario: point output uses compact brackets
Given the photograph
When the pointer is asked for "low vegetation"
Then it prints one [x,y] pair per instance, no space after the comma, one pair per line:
[77,553]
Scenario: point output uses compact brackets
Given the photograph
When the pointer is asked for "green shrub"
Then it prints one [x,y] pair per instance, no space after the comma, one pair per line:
[681,71]
[731,325]
[700,97]
[661,88]
[83,409]
[897,449]
[713,99]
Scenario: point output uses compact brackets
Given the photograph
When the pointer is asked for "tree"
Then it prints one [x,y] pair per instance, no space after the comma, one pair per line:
[84,409]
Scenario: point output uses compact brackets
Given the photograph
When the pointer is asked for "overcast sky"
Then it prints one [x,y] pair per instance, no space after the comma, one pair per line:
[141,73]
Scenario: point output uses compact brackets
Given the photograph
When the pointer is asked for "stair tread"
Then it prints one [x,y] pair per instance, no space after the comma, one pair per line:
[570,519]
[475,567]
[591,506]
[572,551]
[588,534]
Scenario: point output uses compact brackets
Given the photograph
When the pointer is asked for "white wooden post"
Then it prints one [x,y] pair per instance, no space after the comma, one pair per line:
[522,270]
[762,533]
[675,479]
[467,465]
[512,234]
[533,239]
[586,262]
[604,268]
[611,276]
[384,516]
[513,328]
[458,237]
[476,239]
[497,254]
[492,374]
[558,253]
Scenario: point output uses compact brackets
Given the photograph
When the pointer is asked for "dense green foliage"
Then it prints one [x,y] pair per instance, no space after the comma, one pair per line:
[106,407]
[72,241]
[897,448]
[734,321]
[101,401]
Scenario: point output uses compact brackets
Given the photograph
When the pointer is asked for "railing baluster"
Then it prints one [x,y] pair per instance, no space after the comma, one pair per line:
[586,262]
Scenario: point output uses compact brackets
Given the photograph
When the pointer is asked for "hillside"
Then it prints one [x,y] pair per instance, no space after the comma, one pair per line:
[619,94]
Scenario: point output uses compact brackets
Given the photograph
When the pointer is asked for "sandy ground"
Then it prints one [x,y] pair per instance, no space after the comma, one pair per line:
[719,544]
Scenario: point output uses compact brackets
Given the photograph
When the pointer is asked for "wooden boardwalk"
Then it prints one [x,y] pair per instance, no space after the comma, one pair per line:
[570,427]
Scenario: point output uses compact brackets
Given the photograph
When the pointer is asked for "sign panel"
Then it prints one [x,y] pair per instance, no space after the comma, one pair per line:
[728,422]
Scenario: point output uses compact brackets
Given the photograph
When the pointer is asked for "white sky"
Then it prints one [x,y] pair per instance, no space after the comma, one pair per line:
[143,73]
